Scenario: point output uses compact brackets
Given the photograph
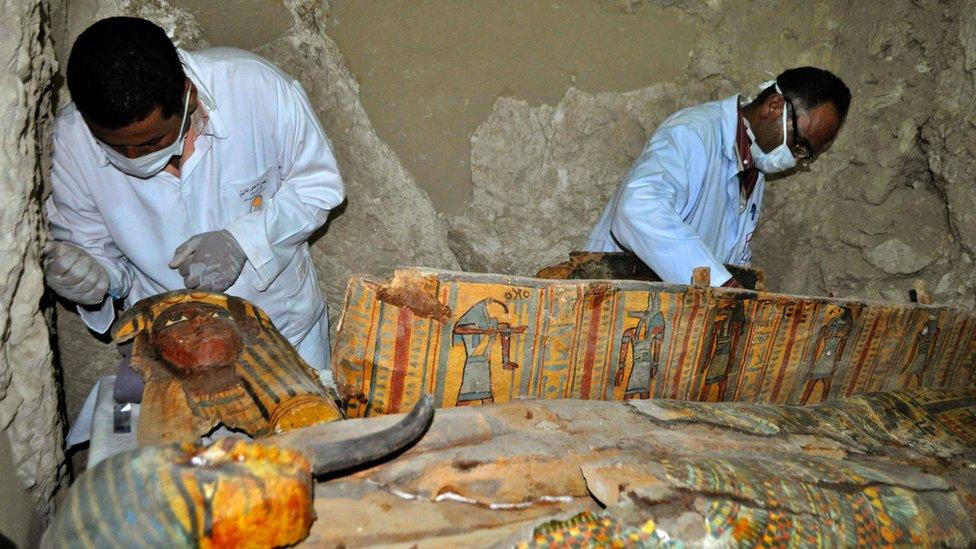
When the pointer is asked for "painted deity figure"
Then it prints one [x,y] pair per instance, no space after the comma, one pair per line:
[645,342]
[920,354]
[761,337]
[722,340]
[831,340]
[477,331]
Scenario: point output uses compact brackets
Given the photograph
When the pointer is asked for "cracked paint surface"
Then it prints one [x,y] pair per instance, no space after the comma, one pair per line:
[880,469]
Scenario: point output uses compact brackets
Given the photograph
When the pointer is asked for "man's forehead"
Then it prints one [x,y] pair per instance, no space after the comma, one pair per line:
[132,134]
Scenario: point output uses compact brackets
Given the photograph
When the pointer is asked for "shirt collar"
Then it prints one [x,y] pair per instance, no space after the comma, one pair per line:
[100,157]
[730,126]
[191,66]
[743,142]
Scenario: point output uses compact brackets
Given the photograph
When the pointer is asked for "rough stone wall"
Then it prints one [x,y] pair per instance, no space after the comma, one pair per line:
[543,174]
[890,203]
[28,391]
[893,202]
[19,517]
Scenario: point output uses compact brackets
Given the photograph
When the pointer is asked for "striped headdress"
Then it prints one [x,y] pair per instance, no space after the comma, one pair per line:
[210,358]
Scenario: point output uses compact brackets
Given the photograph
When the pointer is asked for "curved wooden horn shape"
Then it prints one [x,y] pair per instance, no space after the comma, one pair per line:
[344,454]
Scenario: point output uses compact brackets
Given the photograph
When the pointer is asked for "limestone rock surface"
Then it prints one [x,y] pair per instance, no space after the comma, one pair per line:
[28,391]
[894,256]
[543,174]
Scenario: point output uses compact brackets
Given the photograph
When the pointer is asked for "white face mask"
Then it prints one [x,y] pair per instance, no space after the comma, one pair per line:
[778,160]
[150,164]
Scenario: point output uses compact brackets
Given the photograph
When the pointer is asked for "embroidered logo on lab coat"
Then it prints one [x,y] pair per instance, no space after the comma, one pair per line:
[251,191]
[254,194]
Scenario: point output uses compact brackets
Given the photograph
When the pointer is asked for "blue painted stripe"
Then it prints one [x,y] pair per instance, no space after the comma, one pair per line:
[445,350]
[618,333]
[376,351]
[531,306]
[426,369]
[247,365]
[542,351]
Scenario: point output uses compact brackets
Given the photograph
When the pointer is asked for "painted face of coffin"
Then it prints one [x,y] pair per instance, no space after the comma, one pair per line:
[196,339]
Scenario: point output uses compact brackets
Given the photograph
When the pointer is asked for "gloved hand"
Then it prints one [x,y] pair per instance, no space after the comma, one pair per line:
[74,274]
[210,261]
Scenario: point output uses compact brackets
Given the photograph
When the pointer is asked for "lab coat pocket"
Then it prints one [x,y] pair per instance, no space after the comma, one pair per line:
[244,197]
[303,302]
[303,272]
[292,301]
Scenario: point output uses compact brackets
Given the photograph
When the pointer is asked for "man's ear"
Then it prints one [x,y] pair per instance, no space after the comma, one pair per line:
[193,96]
[773,106]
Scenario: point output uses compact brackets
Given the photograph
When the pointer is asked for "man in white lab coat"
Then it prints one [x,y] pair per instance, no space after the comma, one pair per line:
[694,195]
[176,169]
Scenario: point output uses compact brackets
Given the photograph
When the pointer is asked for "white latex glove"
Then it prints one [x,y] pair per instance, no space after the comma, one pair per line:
[209,261]
[74,274]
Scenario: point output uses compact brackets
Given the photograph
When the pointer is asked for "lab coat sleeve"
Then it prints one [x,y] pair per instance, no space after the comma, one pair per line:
[647,218]
[310,188]
[74,218]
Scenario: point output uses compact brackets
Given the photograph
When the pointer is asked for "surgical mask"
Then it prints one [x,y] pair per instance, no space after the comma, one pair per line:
[778,160]
[150,164]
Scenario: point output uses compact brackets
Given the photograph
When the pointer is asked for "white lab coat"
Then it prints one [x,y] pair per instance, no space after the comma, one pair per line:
[679,206]
[262,140]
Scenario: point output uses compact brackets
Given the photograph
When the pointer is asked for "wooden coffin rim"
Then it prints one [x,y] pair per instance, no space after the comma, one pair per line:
[405,274]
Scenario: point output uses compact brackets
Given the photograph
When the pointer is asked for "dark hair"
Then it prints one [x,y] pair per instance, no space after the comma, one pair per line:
[808,87]
[122,68]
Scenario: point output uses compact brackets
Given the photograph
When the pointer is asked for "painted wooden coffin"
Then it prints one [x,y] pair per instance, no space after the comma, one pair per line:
[469,338]
[207,359]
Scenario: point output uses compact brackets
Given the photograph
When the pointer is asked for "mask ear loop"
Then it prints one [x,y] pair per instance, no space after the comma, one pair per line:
[785,137]
[186,112]
[766,85]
